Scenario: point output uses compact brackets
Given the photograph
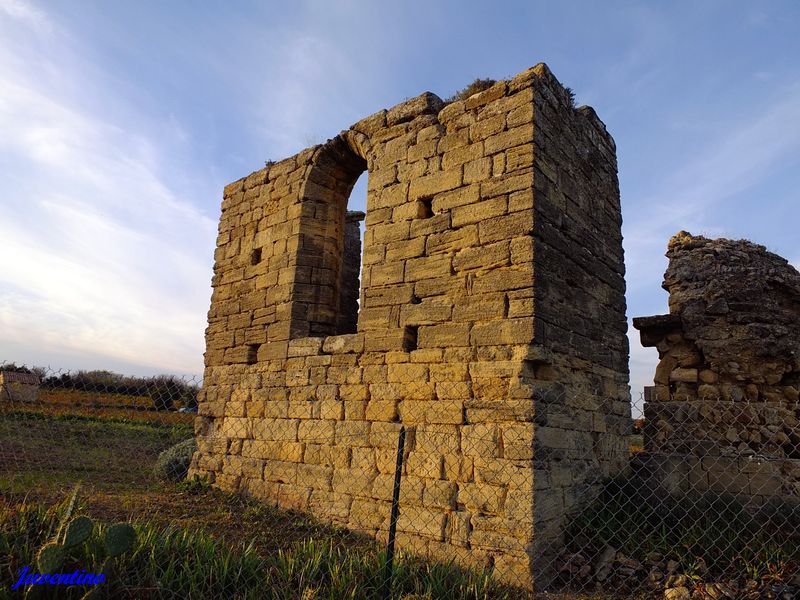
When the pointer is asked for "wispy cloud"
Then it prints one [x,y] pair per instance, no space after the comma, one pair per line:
[24,12]
[738,159]
[306,83]
[102,252]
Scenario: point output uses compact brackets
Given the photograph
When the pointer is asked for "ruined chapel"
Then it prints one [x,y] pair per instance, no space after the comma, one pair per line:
[489,321]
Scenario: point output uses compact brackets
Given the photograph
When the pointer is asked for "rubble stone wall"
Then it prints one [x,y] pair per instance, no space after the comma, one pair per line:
[724,413]
[491,325]
[18,387]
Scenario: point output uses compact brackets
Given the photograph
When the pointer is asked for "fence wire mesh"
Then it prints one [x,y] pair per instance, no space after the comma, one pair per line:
[265,494]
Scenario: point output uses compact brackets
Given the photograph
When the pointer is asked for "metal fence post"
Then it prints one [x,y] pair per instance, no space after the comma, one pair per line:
[386,592]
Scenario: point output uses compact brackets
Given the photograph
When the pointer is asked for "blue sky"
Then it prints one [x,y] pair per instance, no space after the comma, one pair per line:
[120,122]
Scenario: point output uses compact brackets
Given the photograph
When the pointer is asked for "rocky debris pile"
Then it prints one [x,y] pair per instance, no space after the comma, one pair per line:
[657,576]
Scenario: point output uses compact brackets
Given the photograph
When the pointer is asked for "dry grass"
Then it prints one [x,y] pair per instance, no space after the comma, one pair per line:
[42,458]
[82,398]
[114,407]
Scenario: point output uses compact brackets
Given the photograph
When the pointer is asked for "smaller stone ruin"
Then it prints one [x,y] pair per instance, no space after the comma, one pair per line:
[723,415]
[18,387]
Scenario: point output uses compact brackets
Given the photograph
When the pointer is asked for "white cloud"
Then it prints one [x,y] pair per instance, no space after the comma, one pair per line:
[103,256]
[306,81]
[643,363]
[24,12]
[738,160]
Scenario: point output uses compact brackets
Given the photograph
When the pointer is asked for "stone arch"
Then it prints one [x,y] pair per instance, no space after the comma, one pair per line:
[326,281]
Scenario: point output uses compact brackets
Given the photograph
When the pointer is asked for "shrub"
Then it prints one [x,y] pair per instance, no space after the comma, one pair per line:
[173,463]
[571,95]
[163,390]
[473,88]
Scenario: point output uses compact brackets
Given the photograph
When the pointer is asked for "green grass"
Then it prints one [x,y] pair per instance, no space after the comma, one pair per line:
[51,453]
[171,561]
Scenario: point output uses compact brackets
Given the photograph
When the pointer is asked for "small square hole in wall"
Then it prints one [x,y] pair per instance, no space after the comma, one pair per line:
[252,353]
[255,256]
[410,338]
[425,208]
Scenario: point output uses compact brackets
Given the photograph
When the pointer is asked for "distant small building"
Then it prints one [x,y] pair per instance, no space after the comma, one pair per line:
[18,387]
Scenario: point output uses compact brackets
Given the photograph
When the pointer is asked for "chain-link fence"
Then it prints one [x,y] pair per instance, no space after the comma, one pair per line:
[271,495]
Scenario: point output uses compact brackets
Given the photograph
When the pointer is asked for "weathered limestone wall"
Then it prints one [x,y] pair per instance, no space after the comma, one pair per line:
[582,401]
[724,408]
[491,325]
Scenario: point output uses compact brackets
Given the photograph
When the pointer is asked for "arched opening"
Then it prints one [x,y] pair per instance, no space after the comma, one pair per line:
[350,279]
[329,265]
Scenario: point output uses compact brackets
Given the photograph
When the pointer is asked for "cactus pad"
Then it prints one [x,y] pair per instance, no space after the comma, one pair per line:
[50,557]
[119,539]
[78,531]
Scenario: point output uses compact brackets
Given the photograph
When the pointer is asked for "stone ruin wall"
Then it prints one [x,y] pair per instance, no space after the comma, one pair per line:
[491,325]
[18,387]
[724,414]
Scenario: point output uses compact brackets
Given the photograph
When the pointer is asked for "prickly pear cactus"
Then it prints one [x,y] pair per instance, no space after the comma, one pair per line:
[50,557]
[119,539]
[78,531]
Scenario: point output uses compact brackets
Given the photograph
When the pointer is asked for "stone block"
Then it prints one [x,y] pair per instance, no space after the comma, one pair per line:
[484,257]
[439,494]
[518,136]
[428,523]
[427,267]
[369,514]
[428,312]
[317,477]
[342,344]
[316,431]
[352,433]
[480,440]
[353,481]
[430,185]
[518,440]
[481,497]
[305,346]
[278,471]
[444,335]
[431,411]
[407,373]
[510,331]
[398,251]
[506,227]
[381,410]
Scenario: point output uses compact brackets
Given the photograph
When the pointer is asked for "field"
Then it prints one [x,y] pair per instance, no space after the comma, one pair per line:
[112,462]
[199,542]
[263,552]
[59,402]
